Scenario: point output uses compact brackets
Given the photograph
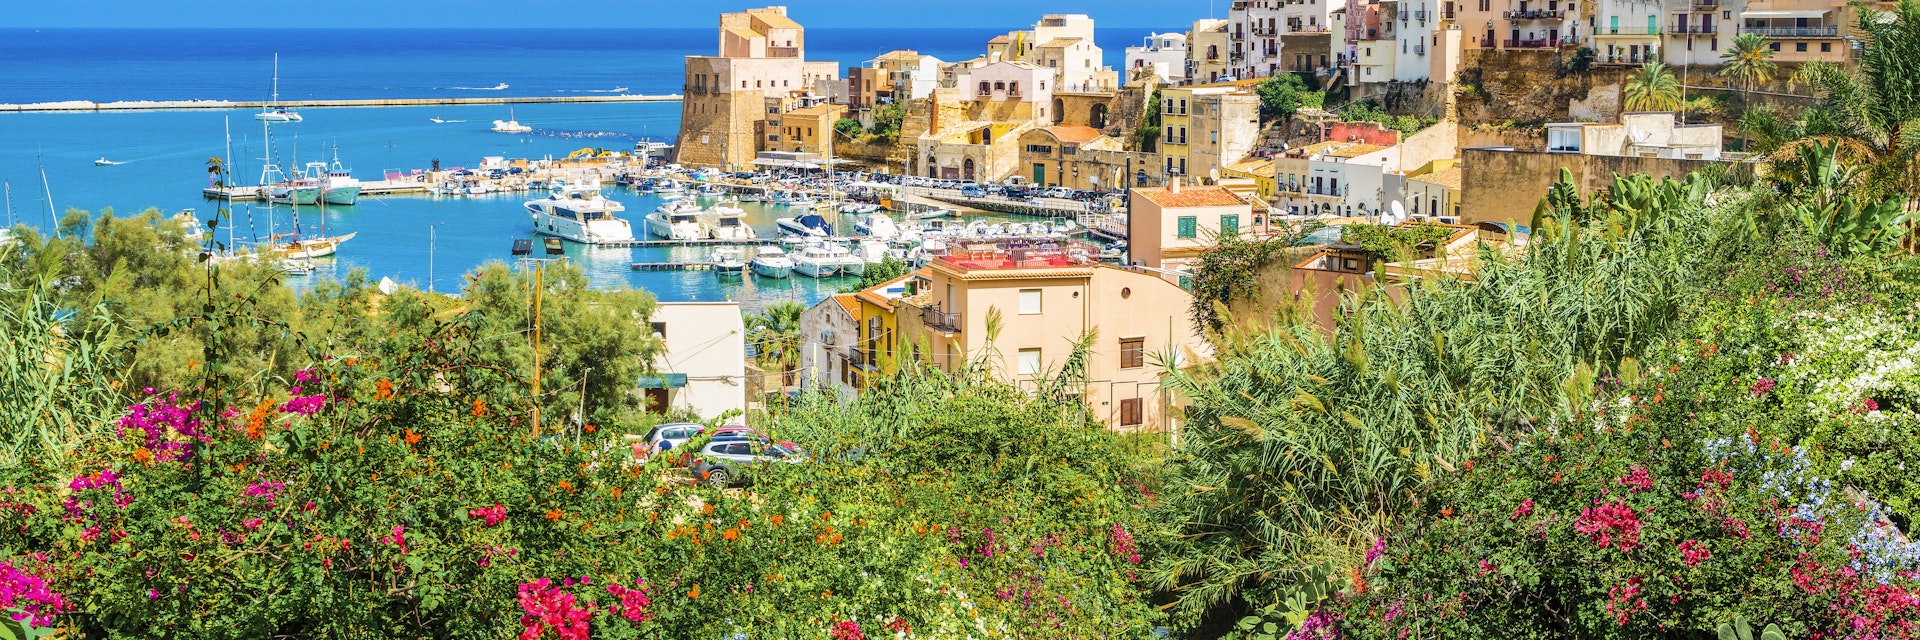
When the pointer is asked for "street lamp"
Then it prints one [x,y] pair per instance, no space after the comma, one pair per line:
[523,252]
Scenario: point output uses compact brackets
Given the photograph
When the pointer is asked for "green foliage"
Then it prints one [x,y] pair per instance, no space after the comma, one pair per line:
[1281,96]
[876,274]
[886,120]
[1230,272]
[848,127]
[1823,199]
[1387,242]
[1147,137]
[1652,87]
[775,333]
[1748,61]
[57,365]
[1739,630]
[1370,111]
[1582,60]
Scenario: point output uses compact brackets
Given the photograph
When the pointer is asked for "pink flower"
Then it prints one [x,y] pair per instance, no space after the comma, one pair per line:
[1762,387]
[1525,509]
[397,538]
[1638,481]
[1693,553]
[847,630]
[251,523]
[1605,521]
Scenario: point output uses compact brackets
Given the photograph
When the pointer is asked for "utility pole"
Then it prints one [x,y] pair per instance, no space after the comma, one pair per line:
[523,250]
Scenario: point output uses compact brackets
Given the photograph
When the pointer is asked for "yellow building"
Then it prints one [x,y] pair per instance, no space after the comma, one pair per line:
[877,309]
[1176,123]
[1044,299]
[1435,194]
[1260,170]
[805,129]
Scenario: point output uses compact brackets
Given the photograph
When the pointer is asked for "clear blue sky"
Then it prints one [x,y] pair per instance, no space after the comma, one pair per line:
[1161,14]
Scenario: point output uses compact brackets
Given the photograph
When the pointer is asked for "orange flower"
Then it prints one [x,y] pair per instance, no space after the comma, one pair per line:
[479,408]
[1446,512]
[1548,460]
[826,515]
[742,524]
[566,486]
[776,519]
[352,361]
[706,509]
[412,438]
[374,477]
[553,515]
[383,390]
[590,428]
[616,493]
[731,535]
[1468,465]
[142,455]
[652,517]
[695,593]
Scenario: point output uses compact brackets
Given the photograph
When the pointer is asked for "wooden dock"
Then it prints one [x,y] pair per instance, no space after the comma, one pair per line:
[672,266]
[368,188]
[153,105]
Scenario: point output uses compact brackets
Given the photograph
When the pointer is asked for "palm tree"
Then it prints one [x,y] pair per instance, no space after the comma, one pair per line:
[776,331]
[1749,60]
[1870,113]
[1652,88]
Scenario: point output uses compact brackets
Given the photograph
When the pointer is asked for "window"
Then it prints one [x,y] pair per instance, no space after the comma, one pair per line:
[659,329]
[1826,47]
[1029,302]
[1800,46]
[1188,227]
[986,89]
[1774,46]
[1133,353]
[1029,362]
[1230,224]
[1130,413]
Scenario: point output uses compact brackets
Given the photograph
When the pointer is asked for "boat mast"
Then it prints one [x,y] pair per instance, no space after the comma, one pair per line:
[9,188]
[53,214]
[276,80]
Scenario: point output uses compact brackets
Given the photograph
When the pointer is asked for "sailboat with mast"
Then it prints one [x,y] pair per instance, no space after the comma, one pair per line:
[274,112]
[511,124]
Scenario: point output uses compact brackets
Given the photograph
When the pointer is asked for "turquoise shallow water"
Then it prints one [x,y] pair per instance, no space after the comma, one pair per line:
[165,155]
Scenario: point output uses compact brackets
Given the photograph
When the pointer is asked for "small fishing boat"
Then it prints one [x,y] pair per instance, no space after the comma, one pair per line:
[728,263]
[931,213]
[772,262]
[878,225]
[104,162]
[510,125]
[443,121]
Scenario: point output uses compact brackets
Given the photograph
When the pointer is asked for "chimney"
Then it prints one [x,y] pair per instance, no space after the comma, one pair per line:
[933,113]
[1176,184]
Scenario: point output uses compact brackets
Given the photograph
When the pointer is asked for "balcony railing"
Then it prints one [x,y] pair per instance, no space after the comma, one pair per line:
[1535,14]
[783,52]
[862,357]
[1420,49]
[1628,58]
[1793,32]
[1628,31]
[936,318]
[1272,52]
[1420,15]
[1403,15]
[1446,14]
[1706,4]
[1541,43]
[1691,29]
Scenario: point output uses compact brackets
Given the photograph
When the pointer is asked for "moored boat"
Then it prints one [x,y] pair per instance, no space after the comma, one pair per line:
[582,215]
[772,262]
[722,222]
[728,263]
[675,221]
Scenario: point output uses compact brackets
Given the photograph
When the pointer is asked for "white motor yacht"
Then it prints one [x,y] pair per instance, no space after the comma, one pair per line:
[827,259]
[581,215]
[877,224]
[676,221]
[772,262]
[722,222]
[510,125]
[807,225]
[728,263]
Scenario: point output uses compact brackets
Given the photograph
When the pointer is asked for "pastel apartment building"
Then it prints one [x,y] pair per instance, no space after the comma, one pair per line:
[1644,134]
[1208,46]
[1064,44]
[703,369]
[1046,297]
[1161,55]
[724,119]
[1206,127]
[1169,227]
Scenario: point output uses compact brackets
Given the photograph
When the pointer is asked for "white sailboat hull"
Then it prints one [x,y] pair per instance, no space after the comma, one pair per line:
[314,247]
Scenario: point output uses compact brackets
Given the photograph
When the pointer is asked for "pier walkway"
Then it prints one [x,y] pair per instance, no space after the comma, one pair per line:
[148,105]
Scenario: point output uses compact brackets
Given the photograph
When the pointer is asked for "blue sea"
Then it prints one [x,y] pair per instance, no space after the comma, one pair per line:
[425,241]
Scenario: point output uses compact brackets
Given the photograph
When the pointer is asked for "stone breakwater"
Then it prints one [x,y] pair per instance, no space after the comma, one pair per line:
[149,105]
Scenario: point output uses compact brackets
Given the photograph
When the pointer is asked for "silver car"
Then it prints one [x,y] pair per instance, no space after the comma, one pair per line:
[722,460]
[670,435]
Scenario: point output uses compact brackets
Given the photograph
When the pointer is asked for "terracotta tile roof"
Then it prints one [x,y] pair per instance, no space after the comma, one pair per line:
[850,303]
[1355,150]
[1449,177]
[1000,39]
[1259,166]
[1074,134]
[1190,197]
[1060,43]
[900,54]
[774,19]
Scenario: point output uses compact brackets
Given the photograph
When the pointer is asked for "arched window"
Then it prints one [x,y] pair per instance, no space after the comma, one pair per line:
[1098,118]
[966,171]
[1059,110]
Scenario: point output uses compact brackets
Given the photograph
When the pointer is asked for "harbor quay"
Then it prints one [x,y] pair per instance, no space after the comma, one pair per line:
[146,105]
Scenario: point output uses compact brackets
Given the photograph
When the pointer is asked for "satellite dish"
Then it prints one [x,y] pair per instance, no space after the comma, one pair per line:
[1214,173]
[1399,212]
[826,338]
[388,286]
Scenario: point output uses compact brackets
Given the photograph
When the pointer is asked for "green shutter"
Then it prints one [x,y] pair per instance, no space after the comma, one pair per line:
[1230,224]
[1189,227]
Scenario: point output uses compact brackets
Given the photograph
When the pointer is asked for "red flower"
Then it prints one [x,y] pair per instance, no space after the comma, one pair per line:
[1525,509]
[1693,553]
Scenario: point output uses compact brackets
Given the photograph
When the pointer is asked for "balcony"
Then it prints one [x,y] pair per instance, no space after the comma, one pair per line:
[1534,14]
[783,52]
[862,358]
[1706,5]
[1627,58]
[936,318]
[1793,32]
[1272,52]
[1540,43]
[1420,49]
[1626,31]
[1403,15]
[1691,29]
[1420,15]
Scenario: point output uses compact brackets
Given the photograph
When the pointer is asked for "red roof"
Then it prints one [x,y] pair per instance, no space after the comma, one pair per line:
[1074,134]
[1190,197]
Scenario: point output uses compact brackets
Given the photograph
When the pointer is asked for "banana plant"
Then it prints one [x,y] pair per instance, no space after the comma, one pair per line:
[1822,198]
[1740,630]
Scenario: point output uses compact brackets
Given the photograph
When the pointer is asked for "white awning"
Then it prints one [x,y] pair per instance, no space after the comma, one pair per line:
[1783,14]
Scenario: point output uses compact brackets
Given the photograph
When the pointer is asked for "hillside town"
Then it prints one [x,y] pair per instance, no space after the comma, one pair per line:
[1285,120]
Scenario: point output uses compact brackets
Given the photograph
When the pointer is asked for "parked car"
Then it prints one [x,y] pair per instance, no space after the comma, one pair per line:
[972,191]
[667,436]
[738,431]
[723,460]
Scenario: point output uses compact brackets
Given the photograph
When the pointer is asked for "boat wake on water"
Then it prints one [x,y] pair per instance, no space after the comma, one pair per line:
[613,90]
[498,87]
